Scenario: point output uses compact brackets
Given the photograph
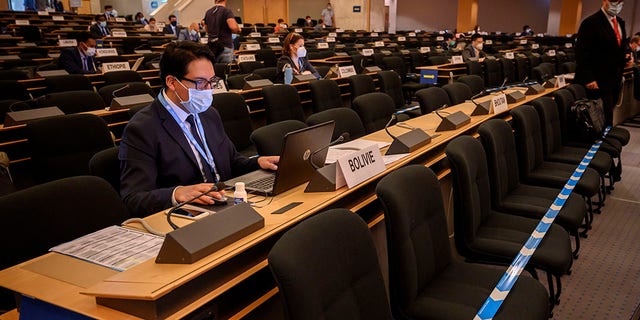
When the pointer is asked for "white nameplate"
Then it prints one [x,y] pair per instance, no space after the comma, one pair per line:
[121,19]
[499,103]
[57,18]
[402,39]
[332,34]
[67,43]
[488,41]
[43,13]
[425,49]
[373,34]
[535,46]
[246,57]
[346,71]
[106,52]
[255,35]
[457,59]
[378,44]
[361,165]
[569,35]
[22,22]
[273,40]
[160,25]
[241,25]
[498,32]
[323,45]
[441,32]
[219,87]
[339,30]
[439,38]
[204,40]
[143,51]
[367,52]
[509,55]
[330,39]
[551,53]
[412,34]
[119,34]
[253,46]
[417,31]
[568,45]
[298,30]
[561,81]
[115,66]
[523,41]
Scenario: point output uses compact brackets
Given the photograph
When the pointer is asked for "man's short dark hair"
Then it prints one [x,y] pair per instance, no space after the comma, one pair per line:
[171,16]
[99,16]
[84,36]
[177,57]
[108,6]
[475,36]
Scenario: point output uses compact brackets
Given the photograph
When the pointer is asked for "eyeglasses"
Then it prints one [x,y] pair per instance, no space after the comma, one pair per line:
[202,84]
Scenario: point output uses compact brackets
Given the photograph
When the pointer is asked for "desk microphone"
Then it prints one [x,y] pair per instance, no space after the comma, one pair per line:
[324,178]
[216,187]
[344,136]
[481,108]
[406,142]
[118,90]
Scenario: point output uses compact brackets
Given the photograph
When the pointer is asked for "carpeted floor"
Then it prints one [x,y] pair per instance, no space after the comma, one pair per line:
[605,283]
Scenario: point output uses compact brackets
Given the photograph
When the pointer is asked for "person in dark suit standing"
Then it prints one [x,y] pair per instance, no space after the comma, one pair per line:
[176,148]
[474,50]
[100,29]
[172,27]
[80,59]
[602,51]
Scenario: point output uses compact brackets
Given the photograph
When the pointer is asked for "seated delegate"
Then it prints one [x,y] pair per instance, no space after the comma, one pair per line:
[294,55]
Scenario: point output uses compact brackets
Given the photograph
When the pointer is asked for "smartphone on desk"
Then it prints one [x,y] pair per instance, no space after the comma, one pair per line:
[190,212]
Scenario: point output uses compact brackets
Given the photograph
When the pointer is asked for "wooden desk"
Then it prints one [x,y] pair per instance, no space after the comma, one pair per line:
[182,289]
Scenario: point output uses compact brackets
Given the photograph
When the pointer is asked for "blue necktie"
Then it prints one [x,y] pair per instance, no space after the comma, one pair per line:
[85,64]
[205,166]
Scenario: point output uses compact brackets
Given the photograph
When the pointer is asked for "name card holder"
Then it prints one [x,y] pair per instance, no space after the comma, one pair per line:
[246,57]
[551,53]
[367,52]
[57,18]
[535,46]
[361,165]
[43,13]
[509,55]
[107,52]
[499,103]
[121,19]
[412,34]
[119,34]
[523,41]
[568,45]
[330,39]
[255,35]
[402,39]
[67,43]
[488,42]
[323,45]
[346,71]
[332,34]
[439,38]
[273,40]
[373,34]
[204,40]
[297,30]
[561,81]
[115,66]
[425,49]
[22,22]
[378,44]
[457,59]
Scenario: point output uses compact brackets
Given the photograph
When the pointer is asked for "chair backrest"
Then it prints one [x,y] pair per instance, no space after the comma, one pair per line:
[267,56]
[438,60]
[62,146]
[12,89]
[568,126]
[269,139]
[432,99]
[132,88]
[568,67]
[471,189]
[282,102]
[235,117]
[361,84]
[543,72]
[375,110]
[359,62]
[70,82]
[417,60]
[123,76]
[71,102]
[458,92]
[502,158]
[549,123]
[269,73]
[327,268]
[522,68]
[377,59]
[13,75]
[391,84]
[508,70]
[578,91]
[346,120]
[238,81]
[475,83]
[528,133]
[106,165]
[492,73]
[249,66]
[474,67]
[416,227]
[325,94]
[396,64]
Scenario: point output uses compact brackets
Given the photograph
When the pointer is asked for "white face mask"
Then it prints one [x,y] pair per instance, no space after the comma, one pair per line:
[90,52]
[301,52]
[193,32]
[479,46]
[614,8]
[199,100]
[637,49]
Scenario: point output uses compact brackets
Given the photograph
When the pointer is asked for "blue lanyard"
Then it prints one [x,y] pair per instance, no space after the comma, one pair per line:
[206,153]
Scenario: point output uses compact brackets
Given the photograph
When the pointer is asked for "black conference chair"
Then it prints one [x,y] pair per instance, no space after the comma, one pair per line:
[236,120]
[431,99]
[70,82]
[522,69]
[543,72]
[282,102]
[267,73]
[438,60]
[267,56]
[54,213]
[360,84]
[458,92]
[132,88]
[106,165]
[483,234]
[325,94]
[568,67]
[248,66]
[13,75]
[62,146]
[123,76]
[508,70]
[346,120]
[425,281]
[391,84]
[238,81]
[474,68]
[375,110]
[409,84]
[327,268]
[12,89]
[492,73]
[417,60]
[510,195]
[475,83]
[71,102]
[269,139]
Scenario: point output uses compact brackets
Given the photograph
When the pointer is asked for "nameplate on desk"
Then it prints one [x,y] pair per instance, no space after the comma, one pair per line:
[219,87]
[54,55]
[412,34]
[417,31]
[273,40]
[67,42]
[453,121]
[509,55]
[361,165]
[551,53]
[49,73]
[499,103]
[119,34]
[425,49]
[15,118]
[367,52]
[323,45]
[22,22]
[10,57]
[27,44]
[405,52]
[43,13]
[144,51]
[441,32]
[378,44]
[204,40]
[130,101]
[106,52]
[297,30]
[373,34]
[339,30]
[568,45]
[561,82]
[115,66]
[246,57]
[402,39]
[456,59]
[439,38]
[535,46]
[160,25]
[252,46]
[255,35]
[57,18]
[523,41]
[332,34]
[121,19]
[488,42]
[330,39]
[346,71]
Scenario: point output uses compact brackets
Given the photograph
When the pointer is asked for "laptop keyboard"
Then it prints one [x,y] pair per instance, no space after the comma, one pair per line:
[262,183]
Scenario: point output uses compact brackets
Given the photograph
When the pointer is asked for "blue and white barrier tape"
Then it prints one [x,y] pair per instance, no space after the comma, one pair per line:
[502,289]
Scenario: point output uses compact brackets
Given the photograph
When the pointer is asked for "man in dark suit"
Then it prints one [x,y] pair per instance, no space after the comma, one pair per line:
[601,54]
[100,29]
[172,27]
[80,59]
[192,33]
[176,148]
[474,50]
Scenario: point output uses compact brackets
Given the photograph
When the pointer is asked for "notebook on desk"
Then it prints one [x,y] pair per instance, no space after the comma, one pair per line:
[294,167]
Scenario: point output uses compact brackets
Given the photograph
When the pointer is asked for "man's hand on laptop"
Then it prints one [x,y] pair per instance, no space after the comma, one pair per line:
[185,193]
[269,163]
